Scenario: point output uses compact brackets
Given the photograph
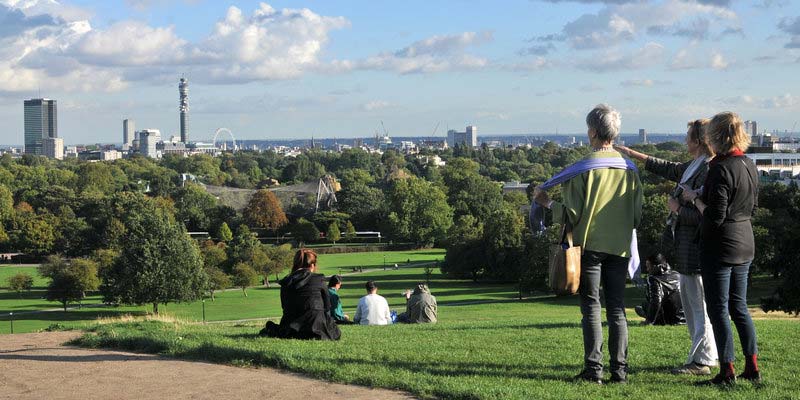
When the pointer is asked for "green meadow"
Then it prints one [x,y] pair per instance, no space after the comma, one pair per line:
[489,344]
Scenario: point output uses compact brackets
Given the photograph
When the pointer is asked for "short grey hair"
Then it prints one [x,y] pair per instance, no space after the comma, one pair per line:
[605,121]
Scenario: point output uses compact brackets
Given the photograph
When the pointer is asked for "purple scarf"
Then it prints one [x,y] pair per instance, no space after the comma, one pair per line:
[587,164]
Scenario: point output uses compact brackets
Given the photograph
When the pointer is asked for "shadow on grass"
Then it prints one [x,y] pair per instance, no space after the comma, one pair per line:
[74,315]
[81,358]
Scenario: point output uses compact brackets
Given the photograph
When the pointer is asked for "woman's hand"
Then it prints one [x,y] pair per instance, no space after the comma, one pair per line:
[622,149]
[631,153]
[688,195]
[541,197]
[673,204]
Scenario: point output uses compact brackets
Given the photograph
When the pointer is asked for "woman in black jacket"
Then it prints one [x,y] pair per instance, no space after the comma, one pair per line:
[727,247]
[305,302]
[682,232]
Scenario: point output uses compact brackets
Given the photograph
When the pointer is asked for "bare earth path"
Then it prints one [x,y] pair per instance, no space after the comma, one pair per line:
[37,366]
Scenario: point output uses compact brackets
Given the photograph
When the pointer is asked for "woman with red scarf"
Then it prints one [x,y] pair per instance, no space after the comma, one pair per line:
[728,199]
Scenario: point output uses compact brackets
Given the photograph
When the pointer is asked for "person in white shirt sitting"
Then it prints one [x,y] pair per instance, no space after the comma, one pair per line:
[373,309]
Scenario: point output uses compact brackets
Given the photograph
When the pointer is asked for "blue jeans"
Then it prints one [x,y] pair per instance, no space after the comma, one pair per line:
[726,289]
[611,271]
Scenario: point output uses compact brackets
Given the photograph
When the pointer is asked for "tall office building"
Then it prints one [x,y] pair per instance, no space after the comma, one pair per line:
[41,122]
[53,148]
[128,129]
[469,137]
[642,136]
[751,127]
[183,91]
[147,142]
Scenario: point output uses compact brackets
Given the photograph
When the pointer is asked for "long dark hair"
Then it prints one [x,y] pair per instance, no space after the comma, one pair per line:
[304,258]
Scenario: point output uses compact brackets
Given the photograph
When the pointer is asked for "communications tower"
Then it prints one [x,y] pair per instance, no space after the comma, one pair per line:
[183,90]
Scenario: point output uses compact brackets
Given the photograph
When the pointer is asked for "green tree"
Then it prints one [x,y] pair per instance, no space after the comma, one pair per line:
[194,207]
[242,246]
[363,203]
[304,231]
[333,232]
[350,231]
[20,282]
[214,254]
[243,276]
[264,210]
[217,280]
[69,280]
[418,211]
[159,264]
[224,233]
[280,258]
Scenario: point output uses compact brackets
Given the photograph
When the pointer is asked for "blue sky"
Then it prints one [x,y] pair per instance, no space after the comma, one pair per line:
[293,69]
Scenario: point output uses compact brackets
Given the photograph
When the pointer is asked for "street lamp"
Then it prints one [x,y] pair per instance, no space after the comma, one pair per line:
[384,262]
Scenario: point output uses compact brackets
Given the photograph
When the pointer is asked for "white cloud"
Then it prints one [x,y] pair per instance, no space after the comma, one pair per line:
[434,54]
[697,58]
[46,45]
[643,83]
[375,105]
[625,21]
[718,62]
[785,101]
[493,115]
[614,60]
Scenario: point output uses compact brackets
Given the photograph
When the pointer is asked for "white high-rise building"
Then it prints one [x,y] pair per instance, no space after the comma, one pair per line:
[53,148]
[41,122]
[469,137]
[642,136]
[148,138]
[128,129]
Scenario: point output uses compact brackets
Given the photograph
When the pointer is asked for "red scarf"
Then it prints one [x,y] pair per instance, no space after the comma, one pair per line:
[733,153]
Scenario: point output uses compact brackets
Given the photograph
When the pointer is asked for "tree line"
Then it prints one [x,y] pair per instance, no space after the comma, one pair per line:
[76,209]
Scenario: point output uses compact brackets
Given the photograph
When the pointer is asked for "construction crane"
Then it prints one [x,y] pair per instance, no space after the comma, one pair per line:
[385,132]
[435,128]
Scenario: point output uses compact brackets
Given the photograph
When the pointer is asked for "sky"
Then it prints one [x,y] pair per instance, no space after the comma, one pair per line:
[337,68]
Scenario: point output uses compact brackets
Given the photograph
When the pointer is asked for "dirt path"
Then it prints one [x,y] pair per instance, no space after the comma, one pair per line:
[37,366]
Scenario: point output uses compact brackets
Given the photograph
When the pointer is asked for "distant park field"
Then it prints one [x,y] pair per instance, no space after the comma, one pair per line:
[261,302]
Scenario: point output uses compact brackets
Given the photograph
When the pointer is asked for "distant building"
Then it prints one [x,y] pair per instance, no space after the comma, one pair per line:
[128,133]
[751,127]
[183,93]
[642,136]
[148,138]
[41,122]
[53,148]
[469,137]
[100,155]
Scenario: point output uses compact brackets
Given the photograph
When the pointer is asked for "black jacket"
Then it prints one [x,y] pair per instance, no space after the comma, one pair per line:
[731,197]
[306,307]
[687,255]
[663,305]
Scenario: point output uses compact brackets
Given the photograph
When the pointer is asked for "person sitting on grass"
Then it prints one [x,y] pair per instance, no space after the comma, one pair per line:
[420,306]
[663,304]
[305,302]
[373,309]
[338,315]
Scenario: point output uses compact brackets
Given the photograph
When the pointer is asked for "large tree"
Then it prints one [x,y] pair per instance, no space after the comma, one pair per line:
[264,210]
[418,211]
[69,280]
[159,264]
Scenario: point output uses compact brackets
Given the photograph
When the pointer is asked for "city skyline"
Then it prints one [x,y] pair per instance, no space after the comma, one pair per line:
[337,69]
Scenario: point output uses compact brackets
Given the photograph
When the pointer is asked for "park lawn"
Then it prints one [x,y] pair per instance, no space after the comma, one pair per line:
[7,271]
[504,350]
[261,302]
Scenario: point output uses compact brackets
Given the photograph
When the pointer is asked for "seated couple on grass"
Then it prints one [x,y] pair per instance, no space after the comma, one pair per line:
[373,309]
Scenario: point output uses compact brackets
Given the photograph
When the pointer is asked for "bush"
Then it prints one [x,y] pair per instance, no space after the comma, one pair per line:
[20,282]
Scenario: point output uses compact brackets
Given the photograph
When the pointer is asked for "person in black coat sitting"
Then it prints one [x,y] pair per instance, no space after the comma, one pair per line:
[305,302]
[663,302]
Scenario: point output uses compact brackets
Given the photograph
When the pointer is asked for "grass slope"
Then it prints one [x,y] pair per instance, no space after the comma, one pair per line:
[505,350]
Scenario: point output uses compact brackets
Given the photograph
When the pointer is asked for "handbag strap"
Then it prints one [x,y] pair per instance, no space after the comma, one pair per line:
[566,231]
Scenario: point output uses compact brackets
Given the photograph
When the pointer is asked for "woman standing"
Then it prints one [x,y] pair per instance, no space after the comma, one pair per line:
[602,199]
[728,200]
[684,221]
